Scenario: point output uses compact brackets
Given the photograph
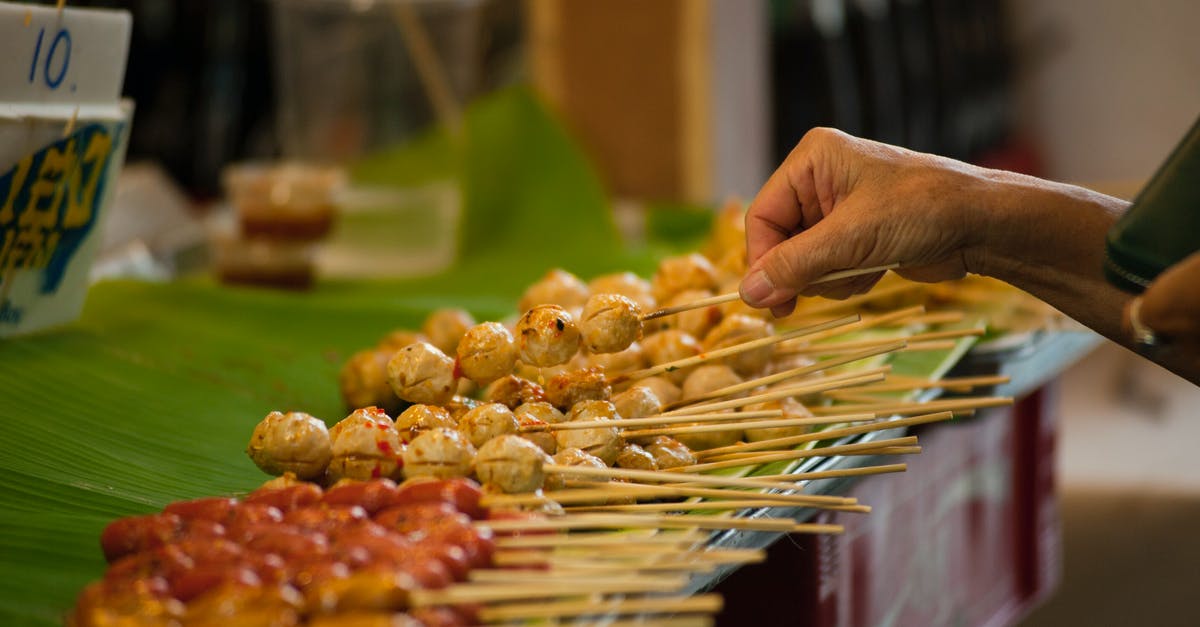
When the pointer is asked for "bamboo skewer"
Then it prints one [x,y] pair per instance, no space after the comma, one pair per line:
[558,564]
[921,384]
[840,472]
[825,348]
[635,490]
[687,506]
[753,459]
[814,311]
[668,476]
[640,539]
[732,296]
[870,323]
[792,373]
[790,441]
[626,423]
[720,353]
[703,603]
[657,521]
[894,409]
[481,593]
[721,427]
[832,383]
[939,345]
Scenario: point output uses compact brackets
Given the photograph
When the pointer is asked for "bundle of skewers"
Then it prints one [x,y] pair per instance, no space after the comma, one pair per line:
[613,426]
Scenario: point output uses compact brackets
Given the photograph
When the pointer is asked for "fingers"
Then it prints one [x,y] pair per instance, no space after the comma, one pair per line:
[781,273]
[1171,305]
[787,202]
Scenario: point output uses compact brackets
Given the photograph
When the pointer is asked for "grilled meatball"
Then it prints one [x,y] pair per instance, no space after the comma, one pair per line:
[398,339]
[364,381]
[512,464]
[440,453]
[539,414]
[637,402]
[569,388]
[671,345]
[543,439]
[791,407]
[512,391]
[738,329]
[711,439]
[610,323]
[294,442]
[445,328]
[664,389]
[627,360]
[635,457]
[670,453]
[365,445]
[558,287]
[627,284]
[709,378]
[686,272]
[694,322]
[486,422]
[460,405]
[547,336]
[603,442]
[487,352]
[579,457]
[420,373]
[420,417]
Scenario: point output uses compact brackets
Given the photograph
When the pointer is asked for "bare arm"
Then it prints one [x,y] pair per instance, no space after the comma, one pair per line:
[841,202]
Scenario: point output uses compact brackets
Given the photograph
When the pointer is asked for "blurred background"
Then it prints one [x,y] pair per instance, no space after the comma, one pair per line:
[690,102]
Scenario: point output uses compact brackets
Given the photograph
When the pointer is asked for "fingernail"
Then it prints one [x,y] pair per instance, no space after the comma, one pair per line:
[756,288]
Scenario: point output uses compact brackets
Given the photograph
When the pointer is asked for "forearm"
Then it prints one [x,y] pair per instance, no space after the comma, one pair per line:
[1048,239]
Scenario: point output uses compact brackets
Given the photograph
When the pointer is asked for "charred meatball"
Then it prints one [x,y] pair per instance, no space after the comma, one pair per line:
[512,391]
[364,381]
[487,352]
[569,388]
[365,445]
[420,373]
[610,323]
[739,329]
[670,453]
[294,442]
[486,422]
[439,453]
[418,418]
[512,464]
[445,327]
[547,336]
[603,442]
[558,287]
[686,272]
[668,346]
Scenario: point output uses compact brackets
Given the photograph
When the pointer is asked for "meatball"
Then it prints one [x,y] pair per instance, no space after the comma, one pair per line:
[610,323]
[671,345]
[711,439]
[445,328]
[440,453]
[364,381]
[398,339]
[365,445]
[459,406]
[540,413]
[670,453]
[569,388]
[694,322]
[547,336]
[579,457]
[665,390]
[512,464]
[487,352]
[558,287]
[486,422]
[686,272]
[709,378]
[791,407]
[635,457]
[512,391]
[627,284]
[419,417]
[603,442]
[637,402]
[420,373]
[294,442]
[739,329]
[627,360]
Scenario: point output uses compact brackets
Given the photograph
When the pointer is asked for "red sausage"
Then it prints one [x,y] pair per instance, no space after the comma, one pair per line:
[137,533]
[463,494]
[371,495]
[416,516]
[195,582]
[287,499]
[324,518]
[287,542]
[216,509]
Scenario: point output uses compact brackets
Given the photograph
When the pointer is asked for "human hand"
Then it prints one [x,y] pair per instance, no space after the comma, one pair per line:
[1170,307]
[839,202]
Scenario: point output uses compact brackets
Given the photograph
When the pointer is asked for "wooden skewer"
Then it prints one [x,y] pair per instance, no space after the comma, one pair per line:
[791,441]
[897,409]
[853,396]
[811,312]
[840,472]
[482,593]
[826,347]
[948,382]
[897,450]
[662,554]
[721,353]
[703,603]
[627,423]
[870,323]
[917,347]
[681,620]
[687,506]
[831,383]
[634,521]
[722,427]
[732,296]
[637,490]
[639,539]
[791,373]
[668,476]
[589,565]
[733,460]
[939,317]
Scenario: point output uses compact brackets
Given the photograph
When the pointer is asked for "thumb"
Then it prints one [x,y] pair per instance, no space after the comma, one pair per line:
[786,269]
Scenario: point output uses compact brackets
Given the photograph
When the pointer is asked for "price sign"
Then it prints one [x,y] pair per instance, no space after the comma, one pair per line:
[63,130]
